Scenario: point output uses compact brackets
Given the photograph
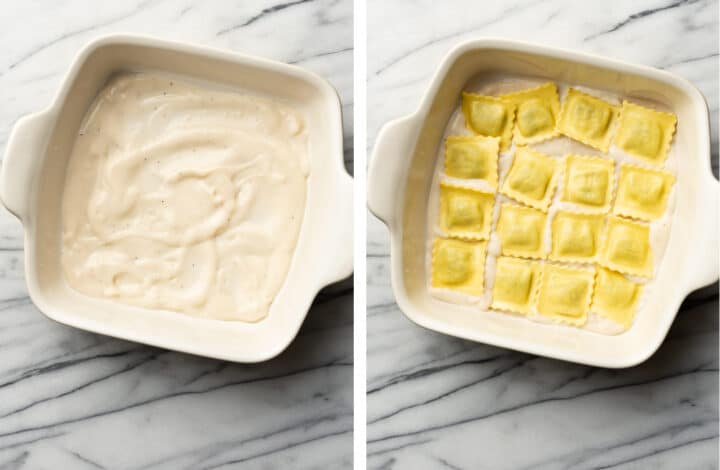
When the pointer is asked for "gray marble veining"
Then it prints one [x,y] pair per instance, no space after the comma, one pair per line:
[76,400]
[441,402]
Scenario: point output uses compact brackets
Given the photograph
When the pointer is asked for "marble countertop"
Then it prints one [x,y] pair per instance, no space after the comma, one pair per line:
[76,400]
[440,402]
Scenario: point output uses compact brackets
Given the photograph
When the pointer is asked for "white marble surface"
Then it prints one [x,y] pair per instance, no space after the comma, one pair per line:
[75,400]
[439,402]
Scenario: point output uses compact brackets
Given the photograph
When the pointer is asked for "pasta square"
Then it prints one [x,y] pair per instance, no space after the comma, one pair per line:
[565,293]
[642,192]
[627,247]
[489,116]
[589,182]
[616,297]
[521,231]
[516,284]
[472,157]
[645,133]
[459,265]
[537,113]
[532,178]
[576,237]
[465,213]
[588,119]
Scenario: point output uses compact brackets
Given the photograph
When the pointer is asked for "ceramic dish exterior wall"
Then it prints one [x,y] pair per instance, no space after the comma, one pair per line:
[400,175]
[33,174]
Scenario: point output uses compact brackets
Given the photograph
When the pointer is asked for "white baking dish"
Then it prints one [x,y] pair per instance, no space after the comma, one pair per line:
[401,171]
[33,174]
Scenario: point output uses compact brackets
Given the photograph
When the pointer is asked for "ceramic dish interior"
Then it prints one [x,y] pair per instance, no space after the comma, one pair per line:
[400,178]
[33,174]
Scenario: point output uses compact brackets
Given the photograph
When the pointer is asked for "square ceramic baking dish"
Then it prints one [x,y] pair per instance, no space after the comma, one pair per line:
[33,174]
[401,170]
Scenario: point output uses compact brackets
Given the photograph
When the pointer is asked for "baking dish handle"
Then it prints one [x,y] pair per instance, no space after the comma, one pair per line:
[22,155]
[341,261]
[387,166]
[706,268]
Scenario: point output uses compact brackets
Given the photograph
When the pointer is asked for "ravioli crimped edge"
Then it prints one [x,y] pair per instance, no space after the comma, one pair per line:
[537,270]
[601,144]
[480,249]
[612,189]
[541,252]
[518,97]
[543,204]
[599,238]
[582,320]
[493,181]
[506,135]
[639,214]
[487,221]
[667,137]
[648,270]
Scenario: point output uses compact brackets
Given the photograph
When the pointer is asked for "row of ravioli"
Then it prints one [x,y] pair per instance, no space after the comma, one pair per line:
[534,115]
[588,182]
[607,228]
[561,293]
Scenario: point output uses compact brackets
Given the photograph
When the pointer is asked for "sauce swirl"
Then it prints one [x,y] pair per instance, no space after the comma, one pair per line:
[183,198]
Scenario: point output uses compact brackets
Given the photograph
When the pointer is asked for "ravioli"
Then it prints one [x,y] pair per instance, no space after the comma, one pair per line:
[516,284]
[532,178]
[521,231]
[565,293]
[472,157]
[459,265]
[588,119]
[642,192]
[589,182]
[616,297]
[465,213]
[627,247]
[576,237]
[489,116]
[537,113]
[645,133]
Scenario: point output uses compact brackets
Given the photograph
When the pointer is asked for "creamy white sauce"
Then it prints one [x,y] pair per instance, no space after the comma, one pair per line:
[498,84]
[183,198]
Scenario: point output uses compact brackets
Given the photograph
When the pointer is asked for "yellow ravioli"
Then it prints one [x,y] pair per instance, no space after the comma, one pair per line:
[516,283]
[616,297]
[472,157]
[588,119]
[459,265]
[536,113]
[627,247]
[576,237]
[589,182]
[464,212]
[642,192]
[565,293]
[489,116]
[532,178]
[521,231]
[645,133]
